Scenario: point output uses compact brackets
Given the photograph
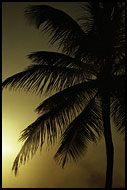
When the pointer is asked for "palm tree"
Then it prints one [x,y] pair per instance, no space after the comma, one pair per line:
[85,83]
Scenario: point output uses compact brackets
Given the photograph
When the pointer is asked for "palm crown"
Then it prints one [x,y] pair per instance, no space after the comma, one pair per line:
[89,71]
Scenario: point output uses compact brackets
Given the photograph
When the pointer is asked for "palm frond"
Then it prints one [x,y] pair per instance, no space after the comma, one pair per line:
[78,94]
[41,78]
[61,27]
[85,19]
[53,120]
[35,135]
[82,129]
[61,60]
[118,104]
[118,114]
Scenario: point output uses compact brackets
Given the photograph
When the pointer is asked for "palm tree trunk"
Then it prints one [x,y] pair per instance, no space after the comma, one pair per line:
[108,139]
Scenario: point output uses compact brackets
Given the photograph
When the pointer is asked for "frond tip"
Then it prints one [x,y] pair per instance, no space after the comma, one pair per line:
[34,136]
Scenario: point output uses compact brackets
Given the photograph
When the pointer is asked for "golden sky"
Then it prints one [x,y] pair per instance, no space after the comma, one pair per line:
[18,40]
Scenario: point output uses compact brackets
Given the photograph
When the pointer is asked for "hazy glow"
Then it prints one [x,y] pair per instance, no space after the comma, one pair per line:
[7,148]
[9,145]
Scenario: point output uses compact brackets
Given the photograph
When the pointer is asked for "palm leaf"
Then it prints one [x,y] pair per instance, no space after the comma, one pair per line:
[52,123]
[61,27]
[118,114]
[61,60]
[36,78]
[75,96]
[47,126]
[118,103]
[81,130]
[35,135]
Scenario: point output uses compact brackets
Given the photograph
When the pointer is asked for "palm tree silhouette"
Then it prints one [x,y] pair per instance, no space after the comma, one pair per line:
[85,83]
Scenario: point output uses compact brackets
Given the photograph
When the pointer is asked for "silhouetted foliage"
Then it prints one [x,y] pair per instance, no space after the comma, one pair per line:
[87,79]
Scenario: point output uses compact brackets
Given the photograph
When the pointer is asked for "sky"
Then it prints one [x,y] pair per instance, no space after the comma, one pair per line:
[18,40]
